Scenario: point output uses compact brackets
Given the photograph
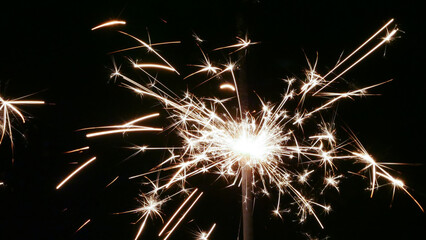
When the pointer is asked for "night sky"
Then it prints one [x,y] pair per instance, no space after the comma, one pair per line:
[49,50]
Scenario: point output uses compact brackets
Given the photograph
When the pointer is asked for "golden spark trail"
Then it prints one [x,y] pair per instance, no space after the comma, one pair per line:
[152,44]
[176,212]
[113,181]
[182,217]
[154,66]
[242,44]
[75,172]
[359,48]
[386,39]
[210,231]
[124,128]
[205,236]
[130,129]
[25,102]
[83,225]
[78,150]
[109,23]
[150,49]
[227,86]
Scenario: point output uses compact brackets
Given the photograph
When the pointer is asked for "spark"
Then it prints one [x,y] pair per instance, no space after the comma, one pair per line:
[150,207]
[109,23]
[242,44]
[206,67]
[78,149]
[332,181]
[83,225]
[206,235]
[197,38]
[177,212]
[113,181]
[150,65]
[227,86]
[378,169]
[151,44]
[75,172]
[129,129]
[359,48]
[150,49]
[183,216]
[124,128]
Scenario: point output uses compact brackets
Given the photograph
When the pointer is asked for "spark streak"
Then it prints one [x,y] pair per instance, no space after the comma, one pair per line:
[205,236]
[176,212]
[227,86]
[385,40]
[124,128]
[182,217]
[149,47]
[75,172]
[150,65]
[359,48]
[109,23]
[78,149]
[83,225]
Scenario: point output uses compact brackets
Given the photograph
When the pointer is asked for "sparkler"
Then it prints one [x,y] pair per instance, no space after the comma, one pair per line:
[269,144]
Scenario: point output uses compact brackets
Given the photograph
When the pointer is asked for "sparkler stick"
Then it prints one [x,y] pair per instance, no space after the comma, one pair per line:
[247,202]
[246,171]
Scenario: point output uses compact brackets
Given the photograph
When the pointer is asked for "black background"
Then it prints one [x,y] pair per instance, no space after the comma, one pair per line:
[48,49]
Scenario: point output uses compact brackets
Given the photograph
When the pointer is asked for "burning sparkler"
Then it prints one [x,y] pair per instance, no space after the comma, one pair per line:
[220,137]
